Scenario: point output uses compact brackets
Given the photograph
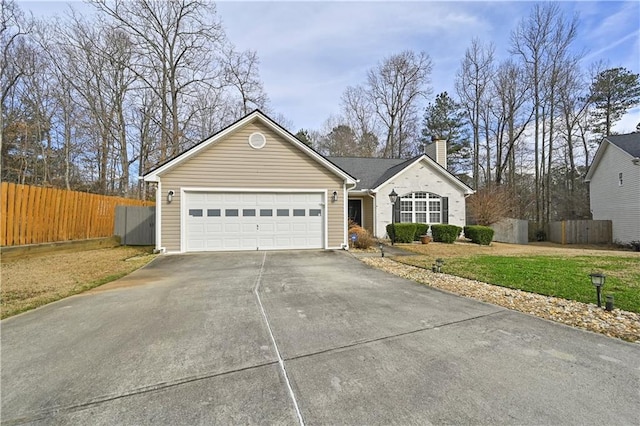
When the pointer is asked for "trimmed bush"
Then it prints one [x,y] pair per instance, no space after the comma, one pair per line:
[421,229]
[364,240]
[445,233]
[403,232]
[482,235]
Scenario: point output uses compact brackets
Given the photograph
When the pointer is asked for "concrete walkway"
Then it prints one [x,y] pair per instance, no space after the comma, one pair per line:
[314,337]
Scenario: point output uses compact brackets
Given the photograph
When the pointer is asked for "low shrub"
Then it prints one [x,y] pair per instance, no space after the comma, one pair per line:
[364,240]
[482,235]
[445,233]
[402,232]
[421,229]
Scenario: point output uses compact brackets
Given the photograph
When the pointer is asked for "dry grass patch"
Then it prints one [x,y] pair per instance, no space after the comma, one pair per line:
[29,283]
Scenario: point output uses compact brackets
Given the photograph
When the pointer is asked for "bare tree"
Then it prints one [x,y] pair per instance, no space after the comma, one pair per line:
[395,86]
[241,72]
[176,44]
[512,116]
[16,55]
[541,42]
[573,103]
[359,114]
[472,85]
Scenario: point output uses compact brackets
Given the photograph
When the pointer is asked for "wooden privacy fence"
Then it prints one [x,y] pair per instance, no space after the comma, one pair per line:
[34,215]
[581,232]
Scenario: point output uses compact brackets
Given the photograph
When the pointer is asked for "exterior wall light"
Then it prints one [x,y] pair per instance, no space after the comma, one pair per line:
[597,279]
[170,196]
[334,196]
[393,197]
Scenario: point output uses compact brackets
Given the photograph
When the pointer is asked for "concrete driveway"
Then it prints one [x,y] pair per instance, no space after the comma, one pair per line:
[318,337]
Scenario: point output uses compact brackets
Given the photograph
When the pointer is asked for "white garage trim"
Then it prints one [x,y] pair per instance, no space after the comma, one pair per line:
[159,247]
[186,190]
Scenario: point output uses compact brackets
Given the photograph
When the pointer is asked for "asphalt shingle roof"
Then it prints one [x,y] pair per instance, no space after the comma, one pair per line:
[629,143]
[371,171]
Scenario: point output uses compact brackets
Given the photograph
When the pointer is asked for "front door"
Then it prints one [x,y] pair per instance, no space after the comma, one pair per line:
[355,211]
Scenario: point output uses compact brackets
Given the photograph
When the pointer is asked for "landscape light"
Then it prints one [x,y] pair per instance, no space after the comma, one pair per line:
[597,279]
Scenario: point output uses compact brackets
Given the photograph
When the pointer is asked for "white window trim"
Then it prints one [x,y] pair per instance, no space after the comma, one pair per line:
[411,197]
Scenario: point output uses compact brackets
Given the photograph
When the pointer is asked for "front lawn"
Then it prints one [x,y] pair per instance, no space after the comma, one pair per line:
[32,282]
[565,276]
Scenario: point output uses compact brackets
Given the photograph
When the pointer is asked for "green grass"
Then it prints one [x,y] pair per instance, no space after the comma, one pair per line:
[565,277]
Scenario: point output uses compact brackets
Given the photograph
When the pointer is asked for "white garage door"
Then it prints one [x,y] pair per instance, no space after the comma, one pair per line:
[253,221]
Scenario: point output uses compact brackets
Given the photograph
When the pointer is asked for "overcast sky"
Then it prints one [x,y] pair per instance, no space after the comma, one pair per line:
[311,51]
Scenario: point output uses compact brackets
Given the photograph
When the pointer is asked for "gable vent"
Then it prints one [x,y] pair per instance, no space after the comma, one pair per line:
[257,140]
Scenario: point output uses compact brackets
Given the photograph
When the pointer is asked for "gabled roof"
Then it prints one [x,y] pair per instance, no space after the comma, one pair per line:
[374,172]
[153,175]
[629,143]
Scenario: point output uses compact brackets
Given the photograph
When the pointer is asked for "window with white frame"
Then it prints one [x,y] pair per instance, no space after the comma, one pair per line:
[421,207]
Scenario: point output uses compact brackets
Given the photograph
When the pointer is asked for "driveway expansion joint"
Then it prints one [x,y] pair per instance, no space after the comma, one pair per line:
[41,415]
[256,291]
[393,336]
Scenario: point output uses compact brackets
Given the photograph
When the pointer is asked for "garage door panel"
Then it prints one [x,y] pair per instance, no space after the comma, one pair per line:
[231,243]
[283,227]
[249,243]
[268,227]
[299,227]
[211,197]
[214,244]
[212,228]
[248,228]
[232,227]
[250,221]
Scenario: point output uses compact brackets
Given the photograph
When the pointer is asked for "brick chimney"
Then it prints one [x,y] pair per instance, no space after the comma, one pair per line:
[437,150]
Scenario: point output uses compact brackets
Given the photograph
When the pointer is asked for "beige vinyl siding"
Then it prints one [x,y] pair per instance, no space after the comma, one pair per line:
[232,163]
[367,214]
[367,211]
[610,201]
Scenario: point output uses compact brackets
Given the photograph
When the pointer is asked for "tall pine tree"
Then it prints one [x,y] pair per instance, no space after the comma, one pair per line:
[444,119]
[613,93]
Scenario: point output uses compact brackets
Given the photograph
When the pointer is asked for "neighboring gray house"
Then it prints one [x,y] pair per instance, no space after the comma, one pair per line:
[614,185]
[427,192]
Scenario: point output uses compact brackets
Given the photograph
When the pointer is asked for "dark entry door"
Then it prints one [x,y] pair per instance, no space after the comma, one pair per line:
[355,211]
